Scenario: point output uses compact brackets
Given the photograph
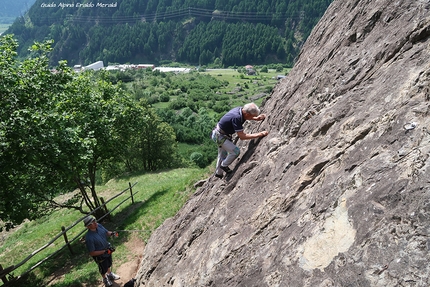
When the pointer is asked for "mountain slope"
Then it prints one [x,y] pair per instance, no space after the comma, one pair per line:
[337,194]
[194,32]
[14,8]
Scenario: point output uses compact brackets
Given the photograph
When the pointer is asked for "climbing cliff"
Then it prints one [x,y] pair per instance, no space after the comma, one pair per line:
[338,194]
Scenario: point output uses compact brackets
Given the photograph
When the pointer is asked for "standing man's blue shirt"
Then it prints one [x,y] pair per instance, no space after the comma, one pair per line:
[232,122]
[96,241]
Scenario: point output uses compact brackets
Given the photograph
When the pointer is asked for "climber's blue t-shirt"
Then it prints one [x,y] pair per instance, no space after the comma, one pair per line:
[232,122]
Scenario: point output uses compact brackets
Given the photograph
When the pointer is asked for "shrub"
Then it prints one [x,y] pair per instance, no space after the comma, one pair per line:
[164,98]
[198,159]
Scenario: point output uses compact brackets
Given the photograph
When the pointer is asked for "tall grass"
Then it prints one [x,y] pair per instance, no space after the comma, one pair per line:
[159,196]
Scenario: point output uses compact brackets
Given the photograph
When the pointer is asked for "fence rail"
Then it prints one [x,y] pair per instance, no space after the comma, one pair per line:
[8,280]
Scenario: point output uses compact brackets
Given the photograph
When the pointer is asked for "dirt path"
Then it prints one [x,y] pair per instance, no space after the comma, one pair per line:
[129,269]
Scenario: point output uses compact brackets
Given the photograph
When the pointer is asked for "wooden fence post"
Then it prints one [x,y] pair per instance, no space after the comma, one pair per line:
[3,278]
[7,276]
[65,239]
[131,193]
[105,208]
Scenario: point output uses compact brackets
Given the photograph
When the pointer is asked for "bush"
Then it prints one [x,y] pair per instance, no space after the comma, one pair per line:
[164,98]
[153,99]
[177,105]
[198,159]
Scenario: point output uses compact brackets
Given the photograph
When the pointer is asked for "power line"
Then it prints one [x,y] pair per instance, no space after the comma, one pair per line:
[251,16]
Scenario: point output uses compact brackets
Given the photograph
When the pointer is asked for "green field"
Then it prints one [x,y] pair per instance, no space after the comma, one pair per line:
[240,88]
[246,88]
[235,78]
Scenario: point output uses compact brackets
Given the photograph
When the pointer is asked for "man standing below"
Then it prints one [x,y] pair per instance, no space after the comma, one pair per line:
[100,249]
[232,122]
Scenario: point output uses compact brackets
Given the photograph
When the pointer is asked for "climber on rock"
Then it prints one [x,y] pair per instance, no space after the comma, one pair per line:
[232,122]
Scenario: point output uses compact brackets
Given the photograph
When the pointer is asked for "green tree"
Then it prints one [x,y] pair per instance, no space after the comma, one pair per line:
[154,143]
[57,128]
[28,132]
[103,118]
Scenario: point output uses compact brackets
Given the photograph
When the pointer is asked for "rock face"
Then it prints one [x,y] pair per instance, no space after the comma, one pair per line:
[338,194]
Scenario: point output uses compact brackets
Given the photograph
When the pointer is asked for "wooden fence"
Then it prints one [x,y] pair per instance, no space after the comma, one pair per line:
[8,280]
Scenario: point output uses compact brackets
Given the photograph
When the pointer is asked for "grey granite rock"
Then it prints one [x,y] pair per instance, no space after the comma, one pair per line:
[338,194]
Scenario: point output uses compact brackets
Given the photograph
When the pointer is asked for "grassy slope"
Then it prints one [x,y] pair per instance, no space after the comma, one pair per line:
[160,195]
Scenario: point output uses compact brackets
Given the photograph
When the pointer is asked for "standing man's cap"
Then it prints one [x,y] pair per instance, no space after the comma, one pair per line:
[88,220]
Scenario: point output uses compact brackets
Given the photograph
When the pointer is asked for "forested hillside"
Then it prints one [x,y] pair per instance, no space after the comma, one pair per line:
[197,32]
[9,10]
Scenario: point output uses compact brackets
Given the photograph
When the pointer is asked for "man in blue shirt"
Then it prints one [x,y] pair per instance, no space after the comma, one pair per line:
[232,122]
[100,249]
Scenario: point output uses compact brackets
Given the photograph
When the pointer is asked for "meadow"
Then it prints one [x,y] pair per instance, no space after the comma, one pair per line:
[251,86]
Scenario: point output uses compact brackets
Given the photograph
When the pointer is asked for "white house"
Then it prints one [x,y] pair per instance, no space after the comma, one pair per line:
[95,66]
